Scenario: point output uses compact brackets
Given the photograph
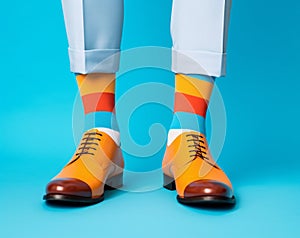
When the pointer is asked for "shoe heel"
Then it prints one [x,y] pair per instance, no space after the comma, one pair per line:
[169,183]
[114,182]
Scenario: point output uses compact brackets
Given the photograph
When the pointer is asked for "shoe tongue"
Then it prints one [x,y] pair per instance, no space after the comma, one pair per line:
[114,135]
[90,133]
[93,130]
[196,133]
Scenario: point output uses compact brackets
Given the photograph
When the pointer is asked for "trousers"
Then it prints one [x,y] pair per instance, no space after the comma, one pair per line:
[199,30]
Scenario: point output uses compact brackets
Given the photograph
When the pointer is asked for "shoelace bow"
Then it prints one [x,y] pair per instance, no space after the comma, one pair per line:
[85,145]
[198,149]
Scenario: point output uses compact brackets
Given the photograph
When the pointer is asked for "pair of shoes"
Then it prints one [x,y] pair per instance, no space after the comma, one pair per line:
[98,165]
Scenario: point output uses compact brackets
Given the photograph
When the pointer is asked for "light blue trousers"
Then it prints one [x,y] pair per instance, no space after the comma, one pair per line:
[199,31]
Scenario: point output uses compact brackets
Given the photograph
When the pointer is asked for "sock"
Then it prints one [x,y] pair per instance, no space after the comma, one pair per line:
[192,94]
[97,92]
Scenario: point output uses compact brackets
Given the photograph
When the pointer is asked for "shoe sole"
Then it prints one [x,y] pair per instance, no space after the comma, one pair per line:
[113,183]
[207,201]
[169,184]
[71,199]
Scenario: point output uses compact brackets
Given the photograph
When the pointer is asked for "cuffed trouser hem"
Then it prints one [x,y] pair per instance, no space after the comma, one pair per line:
[199,62]
[94,61]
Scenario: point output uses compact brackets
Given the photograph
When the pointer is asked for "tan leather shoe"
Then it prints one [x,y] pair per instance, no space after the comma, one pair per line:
[189,168]
[97,165]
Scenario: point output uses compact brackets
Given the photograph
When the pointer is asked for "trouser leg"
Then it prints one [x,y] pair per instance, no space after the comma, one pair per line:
[94,30]
[199,32]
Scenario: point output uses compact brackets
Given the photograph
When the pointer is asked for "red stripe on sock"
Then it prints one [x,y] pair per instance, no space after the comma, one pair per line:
[189,103]
[96,102]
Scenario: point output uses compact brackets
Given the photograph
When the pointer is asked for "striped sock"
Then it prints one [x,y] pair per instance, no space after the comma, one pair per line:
[97,92]
[192,94]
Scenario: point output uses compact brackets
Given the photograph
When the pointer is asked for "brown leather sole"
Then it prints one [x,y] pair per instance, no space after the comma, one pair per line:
[56,198]
[206,200]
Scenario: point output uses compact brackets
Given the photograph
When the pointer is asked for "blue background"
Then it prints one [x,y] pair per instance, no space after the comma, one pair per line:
[260,155]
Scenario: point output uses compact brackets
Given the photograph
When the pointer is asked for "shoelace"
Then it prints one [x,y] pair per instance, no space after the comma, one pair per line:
[84,147]
[198,149]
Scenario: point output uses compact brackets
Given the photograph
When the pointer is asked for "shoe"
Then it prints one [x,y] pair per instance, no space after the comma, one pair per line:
[96,166]
[189,168]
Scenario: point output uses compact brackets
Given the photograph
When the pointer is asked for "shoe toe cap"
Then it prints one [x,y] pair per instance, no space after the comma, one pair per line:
[207,188]
[69,186]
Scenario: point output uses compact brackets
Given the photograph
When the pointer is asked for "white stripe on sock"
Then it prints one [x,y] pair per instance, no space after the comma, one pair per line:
[115,135]
[174,133]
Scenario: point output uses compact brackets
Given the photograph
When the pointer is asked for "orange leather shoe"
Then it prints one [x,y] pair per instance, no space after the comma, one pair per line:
[189,168]
[97,165]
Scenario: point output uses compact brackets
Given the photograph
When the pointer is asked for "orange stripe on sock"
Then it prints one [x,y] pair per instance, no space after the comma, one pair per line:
[193,86]
[95,102]
[94,83]
[189,103]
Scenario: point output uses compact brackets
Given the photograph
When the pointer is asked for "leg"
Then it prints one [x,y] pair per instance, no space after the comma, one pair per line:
[94,29]
[199,32]
[94,36]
